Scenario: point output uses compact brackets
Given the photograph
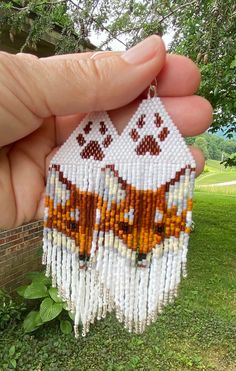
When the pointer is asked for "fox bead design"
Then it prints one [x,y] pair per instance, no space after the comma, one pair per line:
[118,211]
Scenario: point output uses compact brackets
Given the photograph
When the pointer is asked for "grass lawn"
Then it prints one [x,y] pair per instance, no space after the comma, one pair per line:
[229,190]
[198,332]
[216,173]
[218,177]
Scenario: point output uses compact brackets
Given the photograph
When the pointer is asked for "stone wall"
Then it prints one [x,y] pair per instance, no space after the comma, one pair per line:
[20,252]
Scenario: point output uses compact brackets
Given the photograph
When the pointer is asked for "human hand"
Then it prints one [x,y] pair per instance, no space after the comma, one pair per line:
[43,100]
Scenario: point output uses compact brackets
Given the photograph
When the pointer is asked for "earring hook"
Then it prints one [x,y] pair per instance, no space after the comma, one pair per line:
[152,90]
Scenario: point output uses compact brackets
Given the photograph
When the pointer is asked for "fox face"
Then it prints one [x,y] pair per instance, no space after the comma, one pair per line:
[134,187]
[141,219]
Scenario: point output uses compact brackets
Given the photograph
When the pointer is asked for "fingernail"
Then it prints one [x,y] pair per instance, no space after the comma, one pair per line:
[142,52]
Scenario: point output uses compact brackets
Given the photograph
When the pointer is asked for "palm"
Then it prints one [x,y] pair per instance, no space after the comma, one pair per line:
[28,159]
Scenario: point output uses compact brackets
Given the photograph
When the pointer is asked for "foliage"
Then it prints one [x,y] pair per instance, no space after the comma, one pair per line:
[203,30]
[197,332]
[230,161]
[201,143]
[10,310]
[49,304]
[213,146]
[42,17]
[9,358]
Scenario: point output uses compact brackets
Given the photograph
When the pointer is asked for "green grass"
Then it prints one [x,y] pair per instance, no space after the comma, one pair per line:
[197,332]
[214,164]
[213,178]
[216,173]
[226,190]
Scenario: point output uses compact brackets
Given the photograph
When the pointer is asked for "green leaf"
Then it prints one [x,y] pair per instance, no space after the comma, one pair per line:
[66,327]
[6,317]
[36,290]
[13,363]
[32,321]
[49,309]
[71,315]
[65,305]
[53,292]
[3,293]
[12,350]
[21,290]
[233,63]
[38,277]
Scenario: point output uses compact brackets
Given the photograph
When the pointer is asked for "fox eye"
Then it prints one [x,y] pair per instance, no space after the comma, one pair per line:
[72,225]
[124,226]
[159,228]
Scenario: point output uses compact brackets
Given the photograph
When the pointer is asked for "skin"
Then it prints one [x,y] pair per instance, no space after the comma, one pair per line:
[43,100]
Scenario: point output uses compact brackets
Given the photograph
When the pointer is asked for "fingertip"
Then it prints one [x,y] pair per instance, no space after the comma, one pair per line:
[192,72]
[191,114]
[147,50]
[207,109]
[199,159]
[180,76]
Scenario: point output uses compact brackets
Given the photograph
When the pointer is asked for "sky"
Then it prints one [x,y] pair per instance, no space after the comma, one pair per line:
[117,46]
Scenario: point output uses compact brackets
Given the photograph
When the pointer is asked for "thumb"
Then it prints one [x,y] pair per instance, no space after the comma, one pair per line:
[64,85]
[107,81]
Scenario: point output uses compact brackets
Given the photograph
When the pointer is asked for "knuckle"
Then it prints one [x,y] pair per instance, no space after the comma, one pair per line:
[5,62]
[97,75]
[91,79]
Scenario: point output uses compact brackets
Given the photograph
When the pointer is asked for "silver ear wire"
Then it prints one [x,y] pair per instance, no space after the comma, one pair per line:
[152,90]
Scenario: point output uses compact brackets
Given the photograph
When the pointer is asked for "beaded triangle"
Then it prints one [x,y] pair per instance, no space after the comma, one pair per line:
[118,211]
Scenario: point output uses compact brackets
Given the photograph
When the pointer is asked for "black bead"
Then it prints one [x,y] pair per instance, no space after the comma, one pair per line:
[141,256]
[72,225]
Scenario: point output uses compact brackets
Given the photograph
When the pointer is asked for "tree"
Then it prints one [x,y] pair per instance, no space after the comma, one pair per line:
[204,30]
[201,143]
[229,146]
[43,17]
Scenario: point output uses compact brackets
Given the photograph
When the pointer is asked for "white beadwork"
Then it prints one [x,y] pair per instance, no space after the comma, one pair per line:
[95,183]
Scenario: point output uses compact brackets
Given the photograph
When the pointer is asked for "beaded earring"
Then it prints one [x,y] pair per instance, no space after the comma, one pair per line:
[118,212]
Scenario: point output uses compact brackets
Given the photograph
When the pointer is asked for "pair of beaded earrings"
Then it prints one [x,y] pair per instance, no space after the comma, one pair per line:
[118,212]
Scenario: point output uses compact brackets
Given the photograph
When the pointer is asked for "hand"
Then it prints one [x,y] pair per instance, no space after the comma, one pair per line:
[40,100]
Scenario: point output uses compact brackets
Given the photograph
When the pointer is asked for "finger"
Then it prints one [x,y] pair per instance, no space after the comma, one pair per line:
[199,159]
[77,56]
[37,89]
[192,115]
[65,125]
[99,83]
[179,77]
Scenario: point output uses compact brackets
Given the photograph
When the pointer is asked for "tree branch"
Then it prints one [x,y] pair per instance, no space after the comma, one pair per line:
[176,9]
[104,28]
[27,7]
